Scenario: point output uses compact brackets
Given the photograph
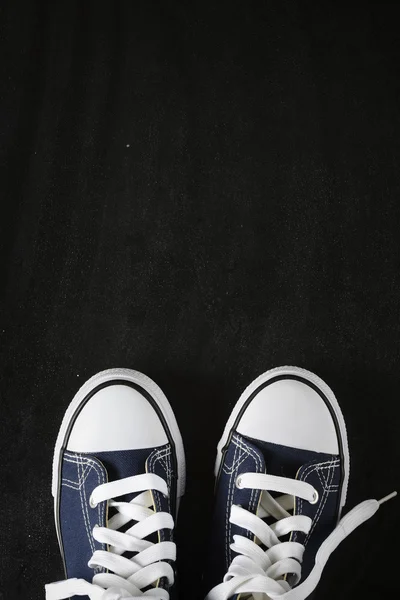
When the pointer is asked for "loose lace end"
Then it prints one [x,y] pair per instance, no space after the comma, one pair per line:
[386,498]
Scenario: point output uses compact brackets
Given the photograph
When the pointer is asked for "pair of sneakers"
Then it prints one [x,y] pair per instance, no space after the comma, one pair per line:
[282,472]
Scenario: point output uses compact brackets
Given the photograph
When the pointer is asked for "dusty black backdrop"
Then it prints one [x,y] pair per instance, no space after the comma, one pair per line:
[202,191]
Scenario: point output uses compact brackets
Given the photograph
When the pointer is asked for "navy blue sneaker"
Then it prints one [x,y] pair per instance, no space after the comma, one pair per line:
[118,476]
[282,473]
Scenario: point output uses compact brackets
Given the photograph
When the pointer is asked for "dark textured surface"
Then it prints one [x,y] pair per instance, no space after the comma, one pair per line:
[199,193]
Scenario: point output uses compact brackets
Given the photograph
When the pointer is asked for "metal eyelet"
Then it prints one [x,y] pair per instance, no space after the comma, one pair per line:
[92,503]
[315,498]
[239,483]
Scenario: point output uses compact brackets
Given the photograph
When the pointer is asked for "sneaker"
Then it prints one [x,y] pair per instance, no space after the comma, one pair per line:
[118,477]
[282,473]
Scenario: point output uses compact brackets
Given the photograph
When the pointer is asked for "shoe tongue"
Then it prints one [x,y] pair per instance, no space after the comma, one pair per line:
[284,461]
[121,464]
[126,463]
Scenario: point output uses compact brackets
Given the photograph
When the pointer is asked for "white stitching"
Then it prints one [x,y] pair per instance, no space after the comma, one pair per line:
[248,451]
[331,472]
[258,466]
[88,462]
[70,481]
[101,506]
[159,456]
[167,467]
[84,459]
[87,507]
[227,514]
[162,458]
[236,464]
[321,480]
[84,510]
[85,473]
[324,483]
[72,487]
[333,463]
[307,470]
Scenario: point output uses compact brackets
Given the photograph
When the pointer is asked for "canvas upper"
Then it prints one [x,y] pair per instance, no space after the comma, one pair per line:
[119,434]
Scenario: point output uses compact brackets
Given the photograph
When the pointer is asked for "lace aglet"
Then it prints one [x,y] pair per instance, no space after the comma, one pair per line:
[386,498]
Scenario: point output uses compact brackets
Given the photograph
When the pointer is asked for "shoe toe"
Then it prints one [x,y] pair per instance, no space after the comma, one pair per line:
[291,413]
[116,417]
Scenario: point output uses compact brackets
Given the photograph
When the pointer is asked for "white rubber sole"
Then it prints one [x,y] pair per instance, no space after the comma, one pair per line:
[156,393]
[320,384]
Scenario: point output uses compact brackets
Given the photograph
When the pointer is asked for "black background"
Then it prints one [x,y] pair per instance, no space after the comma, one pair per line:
[200,191]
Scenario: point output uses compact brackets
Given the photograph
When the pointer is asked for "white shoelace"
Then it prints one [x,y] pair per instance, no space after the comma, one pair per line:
[129,576]
[263,573]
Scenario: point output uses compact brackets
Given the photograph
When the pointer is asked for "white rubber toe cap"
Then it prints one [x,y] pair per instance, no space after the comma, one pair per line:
[290,413]
[117,417]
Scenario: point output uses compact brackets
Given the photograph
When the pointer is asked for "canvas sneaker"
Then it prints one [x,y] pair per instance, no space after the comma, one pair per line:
[282,473]
[118,476]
